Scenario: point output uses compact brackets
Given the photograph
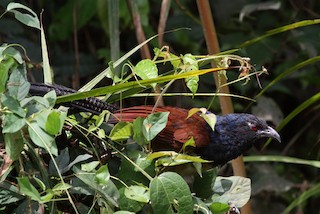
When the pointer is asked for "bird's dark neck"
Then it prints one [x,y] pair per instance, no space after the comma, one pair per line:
[225,143]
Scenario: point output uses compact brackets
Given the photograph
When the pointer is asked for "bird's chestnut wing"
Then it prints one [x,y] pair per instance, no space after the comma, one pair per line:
[179,129]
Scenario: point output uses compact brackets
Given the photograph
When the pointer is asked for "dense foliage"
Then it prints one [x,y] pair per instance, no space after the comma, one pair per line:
[52,161]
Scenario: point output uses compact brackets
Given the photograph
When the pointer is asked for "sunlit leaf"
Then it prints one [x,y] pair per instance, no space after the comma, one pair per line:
[40,183]
[27,19]
[146,69]
[218,207]
[192,112]
[190,142]
[121,131]
[128,204]
[102,175]
[60,187]
[190,64]
[137,193]
[89,167]
[7,51]
[53,124]
[159,154]
[154,124]
[234,189]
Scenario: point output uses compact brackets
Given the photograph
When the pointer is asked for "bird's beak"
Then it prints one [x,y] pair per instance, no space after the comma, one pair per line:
[270,132]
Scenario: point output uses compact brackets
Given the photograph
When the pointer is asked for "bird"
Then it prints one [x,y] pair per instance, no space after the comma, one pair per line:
[233,134]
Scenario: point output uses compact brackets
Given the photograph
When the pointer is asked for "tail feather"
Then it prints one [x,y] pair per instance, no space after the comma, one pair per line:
[90,104]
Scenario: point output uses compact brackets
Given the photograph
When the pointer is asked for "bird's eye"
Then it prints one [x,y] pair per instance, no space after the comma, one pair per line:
[253,127]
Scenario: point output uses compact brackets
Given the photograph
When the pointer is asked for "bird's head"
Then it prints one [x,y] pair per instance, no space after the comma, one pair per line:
[246,126]
[233,135]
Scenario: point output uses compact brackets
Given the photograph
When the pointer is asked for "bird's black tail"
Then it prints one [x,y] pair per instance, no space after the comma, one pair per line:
[90,104]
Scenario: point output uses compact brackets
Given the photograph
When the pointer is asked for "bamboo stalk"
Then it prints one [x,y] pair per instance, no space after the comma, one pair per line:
[141,37]
[225,102]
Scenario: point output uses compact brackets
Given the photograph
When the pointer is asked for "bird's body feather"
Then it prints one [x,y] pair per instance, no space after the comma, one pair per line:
[233,133]
[178,130]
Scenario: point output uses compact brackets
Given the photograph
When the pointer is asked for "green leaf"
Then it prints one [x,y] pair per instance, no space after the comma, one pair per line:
[203,186]
[234,189]
[121,131]
[42,138]
[42,117]
[7,52]
[102,175]
[190,142]
[28,189]
[40,183]
[123,212]
[174,59]
[169,193]
[128,204]
[60,187]
[192,83]
[51,97]
[13,105]
[89,167]
[12,123]
[14,143]
[190,64]
[156,155]
[138,135]
[210,118]
[137,193]
[18,85]
[101,118]
[34,104]
[141,163]
[154,124]
[179,159]
[200,206]
[174,156]
[47,197]
[108,191]
[5,66]
[146,69]
[55,123]
[25,18]
[218,207]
